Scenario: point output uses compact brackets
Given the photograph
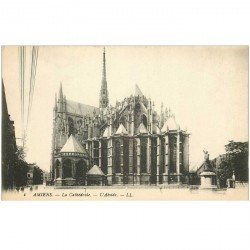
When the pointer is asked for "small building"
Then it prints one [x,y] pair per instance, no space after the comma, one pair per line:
[208,179]
[71,164]
[95,177]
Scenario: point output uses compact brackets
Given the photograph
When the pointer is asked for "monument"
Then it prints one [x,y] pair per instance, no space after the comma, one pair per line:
[208,177]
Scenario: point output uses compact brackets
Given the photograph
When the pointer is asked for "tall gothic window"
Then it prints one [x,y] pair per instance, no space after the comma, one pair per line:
[117,156]
[67,169]
[154,156]
[173,155]
[144,155]
[71,126]
[131,151]
[96,153]
[135,157]
[181,148]
[144,121]
[126,155]
[104,152]
[162,169]
[137,115]
[123,121]
[57,169]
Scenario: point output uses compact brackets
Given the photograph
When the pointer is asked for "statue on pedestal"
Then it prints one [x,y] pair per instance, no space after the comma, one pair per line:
[206,155]
[208,177]
[207,164]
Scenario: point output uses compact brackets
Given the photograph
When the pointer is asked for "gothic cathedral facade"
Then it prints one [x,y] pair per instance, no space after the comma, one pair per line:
[129,142]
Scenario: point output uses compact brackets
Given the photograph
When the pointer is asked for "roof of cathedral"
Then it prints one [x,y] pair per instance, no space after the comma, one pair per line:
[170,124]
[73,146]
[121,130]
[138,92]
[142,129]
[81,109]
[95,170]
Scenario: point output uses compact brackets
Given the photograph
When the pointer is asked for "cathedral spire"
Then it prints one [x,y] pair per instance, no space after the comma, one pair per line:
[60,99]
[104,67]
[60,92]
[104,101]
[55,101]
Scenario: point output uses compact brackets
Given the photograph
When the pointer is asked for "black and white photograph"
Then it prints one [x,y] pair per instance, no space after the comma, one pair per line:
[125,122]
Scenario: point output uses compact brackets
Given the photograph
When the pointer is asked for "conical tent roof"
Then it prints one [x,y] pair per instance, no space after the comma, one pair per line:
[95,170]
[121,130]
[72,145]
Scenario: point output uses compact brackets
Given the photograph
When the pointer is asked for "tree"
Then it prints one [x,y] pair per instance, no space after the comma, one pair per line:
[20,173]
[37,175]
[20,153]
[21,168]
[238,158]
[224,172]
[234,161]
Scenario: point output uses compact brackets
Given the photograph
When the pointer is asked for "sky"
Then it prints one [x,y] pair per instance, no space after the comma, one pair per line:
[206,87]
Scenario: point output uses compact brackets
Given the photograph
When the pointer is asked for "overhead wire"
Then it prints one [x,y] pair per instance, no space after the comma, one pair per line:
[22,66]
[34,56]
[30,88]
[32,81]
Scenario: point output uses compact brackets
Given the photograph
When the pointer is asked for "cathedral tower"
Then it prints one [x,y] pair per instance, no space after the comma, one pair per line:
[104,100]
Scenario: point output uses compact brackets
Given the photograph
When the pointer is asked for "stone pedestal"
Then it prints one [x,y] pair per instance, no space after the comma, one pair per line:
[208,179]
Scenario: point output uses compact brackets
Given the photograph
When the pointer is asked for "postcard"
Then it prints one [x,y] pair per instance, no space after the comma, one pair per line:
[124,123]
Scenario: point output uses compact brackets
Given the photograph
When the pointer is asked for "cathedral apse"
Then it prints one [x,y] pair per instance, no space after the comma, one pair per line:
[128,143]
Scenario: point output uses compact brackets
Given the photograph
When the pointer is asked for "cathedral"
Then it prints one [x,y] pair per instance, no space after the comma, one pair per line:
[128,143]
